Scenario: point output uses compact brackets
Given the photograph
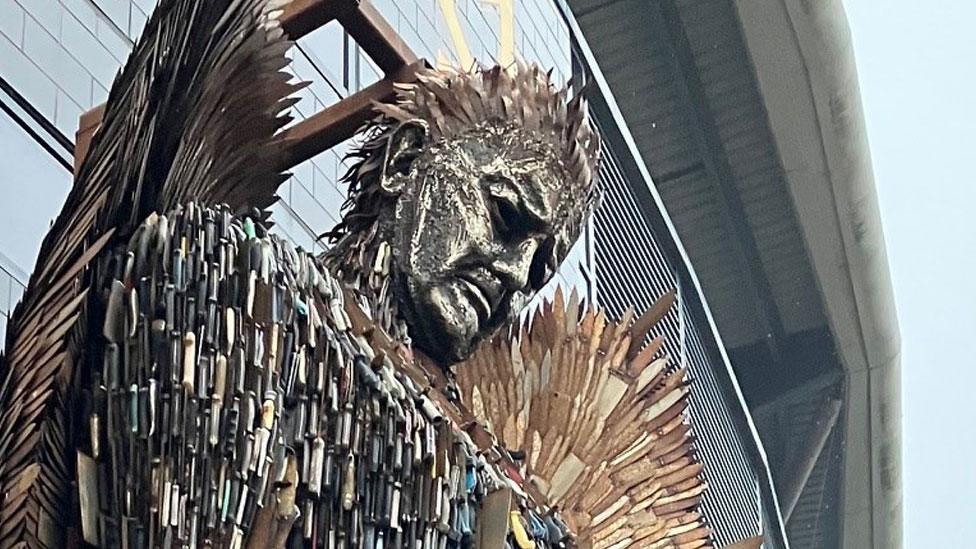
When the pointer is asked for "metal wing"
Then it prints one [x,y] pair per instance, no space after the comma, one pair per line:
[191,117]
[602,420]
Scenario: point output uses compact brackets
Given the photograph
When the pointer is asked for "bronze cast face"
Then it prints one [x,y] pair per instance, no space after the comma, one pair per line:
[475,229]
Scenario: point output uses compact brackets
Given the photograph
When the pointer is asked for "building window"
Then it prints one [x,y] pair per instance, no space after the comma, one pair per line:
[34,185]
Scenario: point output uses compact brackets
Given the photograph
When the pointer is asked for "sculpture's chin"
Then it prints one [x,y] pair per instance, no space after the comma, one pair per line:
[443,323]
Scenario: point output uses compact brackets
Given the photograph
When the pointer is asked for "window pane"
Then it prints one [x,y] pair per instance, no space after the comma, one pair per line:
[34,187]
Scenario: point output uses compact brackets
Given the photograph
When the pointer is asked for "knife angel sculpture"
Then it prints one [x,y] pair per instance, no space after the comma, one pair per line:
[177,376]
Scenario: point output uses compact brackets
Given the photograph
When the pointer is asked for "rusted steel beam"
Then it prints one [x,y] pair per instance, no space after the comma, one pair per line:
[301,17]
[340,121]
[362,21]
[377,38]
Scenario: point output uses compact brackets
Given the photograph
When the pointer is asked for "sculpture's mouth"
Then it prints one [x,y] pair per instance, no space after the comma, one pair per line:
[483,290]
[476,298]
[448,317]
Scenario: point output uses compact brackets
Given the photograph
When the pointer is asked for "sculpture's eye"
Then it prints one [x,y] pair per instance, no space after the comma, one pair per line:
[508,218]
[403,161]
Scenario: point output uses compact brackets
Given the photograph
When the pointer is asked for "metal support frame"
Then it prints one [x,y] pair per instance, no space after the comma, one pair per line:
[793,475]
[667,22]
[360,19]
[792,490]
[341,120]
[301,17]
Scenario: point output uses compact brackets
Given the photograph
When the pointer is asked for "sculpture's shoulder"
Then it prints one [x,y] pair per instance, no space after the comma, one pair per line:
[601,416]
[244,398]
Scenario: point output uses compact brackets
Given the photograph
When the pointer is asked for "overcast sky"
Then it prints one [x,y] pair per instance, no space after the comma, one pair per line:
[917,66]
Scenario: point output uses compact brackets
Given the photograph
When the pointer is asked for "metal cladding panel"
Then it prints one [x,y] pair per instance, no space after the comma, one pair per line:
[632,271]
[648,85]
[659,125]
[732,94]
[697,214]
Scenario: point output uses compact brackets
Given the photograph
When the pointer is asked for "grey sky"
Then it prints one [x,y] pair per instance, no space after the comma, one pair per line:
[917,65]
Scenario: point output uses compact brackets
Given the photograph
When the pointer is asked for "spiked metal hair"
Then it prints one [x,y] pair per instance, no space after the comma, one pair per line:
[452,102]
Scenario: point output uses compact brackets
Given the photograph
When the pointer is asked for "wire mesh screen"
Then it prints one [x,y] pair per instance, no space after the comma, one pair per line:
[632,271]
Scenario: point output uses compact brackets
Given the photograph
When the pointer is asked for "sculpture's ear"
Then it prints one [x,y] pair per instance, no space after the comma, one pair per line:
[405,145]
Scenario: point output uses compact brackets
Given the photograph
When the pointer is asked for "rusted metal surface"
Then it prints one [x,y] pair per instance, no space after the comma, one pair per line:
[632,420]
[504,189]
[377,38]
[339,122]
[301,17]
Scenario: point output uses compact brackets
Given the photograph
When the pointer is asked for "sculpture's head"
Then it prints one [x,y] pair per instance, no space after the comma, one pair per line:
[479,183]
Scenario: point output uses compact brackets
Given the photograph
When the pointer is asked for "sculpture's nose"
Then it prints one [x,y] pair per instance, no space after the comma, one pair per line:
[514,264]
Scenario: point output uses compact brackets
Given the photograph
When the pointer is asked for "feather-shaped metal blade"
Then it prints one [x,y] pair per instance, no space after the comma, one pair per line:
[603,420]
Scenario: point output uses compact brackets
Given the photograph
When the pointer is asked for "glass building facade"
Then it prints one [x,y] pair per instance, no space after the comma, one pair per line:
[58,59]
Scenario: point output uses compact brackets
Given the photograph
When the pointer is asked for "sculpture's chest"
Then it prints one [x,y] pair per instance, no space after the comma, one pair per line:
[235,404]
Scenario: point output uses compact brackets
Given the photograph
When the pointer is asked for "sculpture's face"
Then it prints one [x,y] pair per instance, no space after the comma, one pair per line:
[474,233]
